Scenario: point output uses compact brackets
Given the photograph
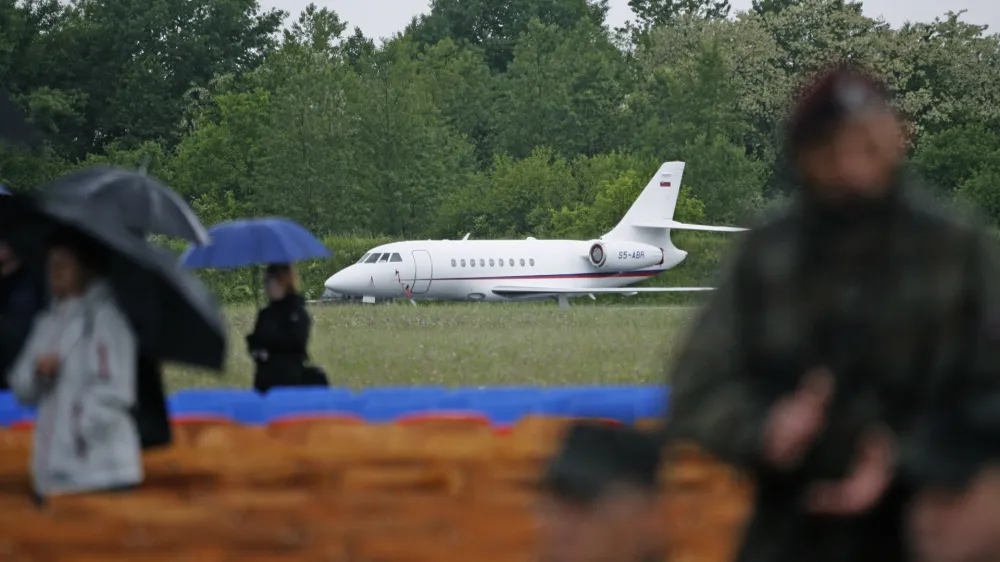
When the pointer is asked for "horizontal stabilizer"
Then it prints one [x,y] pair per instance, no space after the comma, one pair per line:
[674,225]
[526,291]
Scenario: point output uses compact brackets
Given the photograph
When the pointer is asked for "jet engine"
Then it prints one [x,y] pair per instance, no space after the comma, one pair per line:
[623,256]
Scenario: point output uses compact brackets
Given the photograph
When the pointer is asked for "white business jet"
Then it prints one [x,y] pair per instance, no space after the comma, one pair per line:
[638,248]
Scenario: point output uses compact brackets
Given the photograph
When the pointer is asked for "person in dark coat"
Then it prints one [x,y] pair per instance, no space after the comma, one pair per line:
[837,322]
[953,461]
[600,497]
[280,337]
[22,297]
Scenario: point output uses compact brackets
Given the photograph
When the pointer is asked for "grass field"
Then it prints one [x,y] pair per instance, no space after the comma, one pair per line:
[470,345]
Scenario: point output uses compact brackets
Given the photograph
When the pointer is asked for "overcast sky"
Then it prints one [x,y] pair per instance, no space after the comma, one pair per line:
[382,18]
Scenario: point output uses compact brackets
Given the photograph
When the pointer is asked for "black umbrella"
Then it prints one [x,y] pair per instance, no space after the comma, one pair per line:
[174,316]
[13,126]
[143,204]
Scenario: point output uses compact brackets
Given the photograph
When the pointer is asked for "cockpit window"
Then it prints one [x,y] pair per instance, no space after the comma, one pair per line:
[363,258]
[373,258]
[385,258]
[396,257]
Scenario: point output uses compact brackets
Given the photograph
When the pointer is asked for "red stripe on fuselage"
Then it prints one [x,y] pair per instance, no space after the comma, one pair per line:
[557,276]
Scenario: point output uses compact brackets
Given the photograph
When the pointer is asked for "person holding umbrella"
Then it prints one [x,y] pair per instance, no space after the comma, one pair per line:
[78,367]
[80,363]
[280,338]
[279,342]
[144,206]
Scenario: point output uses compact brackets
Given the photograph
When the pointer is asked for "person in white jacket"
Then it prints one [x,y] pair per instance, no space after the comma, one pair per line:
[78,367]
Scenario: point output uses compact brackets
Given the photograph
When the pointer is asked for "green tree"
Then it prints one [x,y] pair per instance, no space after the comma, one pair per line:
[222,152]
[497,25]
[407,154]
[661,12]
[510,199]
[772,6]
[131,62]
[952,157]
[32,39]
[720,175]
[815,33]
[461,86]
[563,90]
[614,198]
[690,110]
[318,29]
[936,68]
[358,48]
[981,189]
[718,77]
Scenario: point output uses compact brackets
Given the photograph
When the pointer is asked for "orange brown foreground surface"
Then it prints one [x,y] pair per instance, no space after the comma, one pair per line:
[331,491]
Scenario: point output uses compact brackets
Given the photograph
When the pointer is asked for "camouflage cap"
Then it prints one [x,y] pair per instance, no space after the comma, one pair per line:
[837,94]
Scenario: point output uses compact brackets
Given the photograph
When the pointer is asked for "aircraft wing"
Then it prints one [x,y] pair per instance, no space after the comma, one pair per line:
[527,291]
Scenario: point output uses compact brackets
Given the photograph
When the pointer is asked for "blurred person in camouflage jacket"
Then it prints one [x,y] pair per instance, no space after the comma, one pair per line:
[837,322]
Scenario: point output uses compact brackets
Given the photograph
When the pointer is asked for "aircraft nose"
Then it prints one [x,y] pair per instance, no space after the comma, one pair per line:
[341,282]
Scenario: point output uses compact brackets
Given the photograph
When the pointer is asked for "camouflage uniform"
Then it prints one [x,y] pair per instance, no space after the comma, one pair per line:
[892,300]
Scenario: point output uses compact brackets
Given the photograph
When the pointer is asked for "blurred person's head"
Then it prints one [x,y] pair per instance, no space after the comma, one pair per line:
[280,281]
[955,465]
[600,498]
[74,261]
[845,140]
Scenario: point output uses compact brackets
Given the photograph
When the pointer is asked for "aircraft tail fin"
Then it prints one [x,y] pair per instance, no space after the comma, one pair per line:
[651,217]
[654,207]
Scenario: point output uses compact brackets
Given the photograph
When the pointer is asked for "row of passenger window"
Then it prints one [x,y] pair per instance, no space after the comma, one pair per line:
[482,262]
[380,258]
[386,258]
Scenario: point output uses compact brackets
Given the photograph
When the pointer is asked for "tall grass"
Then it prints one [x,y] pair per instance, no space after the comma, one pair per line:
[469,345]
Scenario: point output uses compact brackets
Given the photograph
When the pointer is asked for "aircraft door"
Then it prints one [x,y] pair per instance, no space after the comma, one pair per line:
[423,271]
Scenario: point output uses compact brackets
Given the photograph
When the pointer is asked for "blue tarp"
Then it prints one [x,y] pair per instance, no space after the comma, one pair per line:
[502,405]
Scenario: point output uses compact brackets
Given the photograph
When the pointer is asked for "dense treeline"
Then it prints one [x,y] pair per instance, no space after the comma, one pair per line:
[496,117]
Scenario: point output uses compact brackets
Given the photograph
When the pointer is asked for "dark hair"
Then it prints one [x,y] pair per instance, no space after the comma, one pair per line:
[278,269]
[92,255]
[284,270]
[835,95]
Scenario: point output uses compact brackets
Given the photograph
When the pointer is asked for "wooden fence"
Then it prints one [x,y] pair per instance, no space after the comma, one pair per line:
[338,491]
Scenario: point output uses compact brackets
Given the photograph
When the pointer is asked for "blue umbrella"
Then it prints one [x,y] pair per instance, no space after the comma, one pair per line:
[3,190]
[247,242]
